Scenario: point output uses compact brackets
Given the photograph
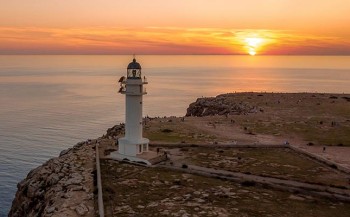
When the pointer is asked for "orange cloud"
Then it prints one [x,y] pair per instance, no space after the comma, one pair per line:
[165,40]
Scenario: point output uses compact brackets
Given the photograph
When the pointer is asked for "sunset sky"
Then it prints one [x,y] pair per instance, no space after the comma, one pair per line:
[255,27]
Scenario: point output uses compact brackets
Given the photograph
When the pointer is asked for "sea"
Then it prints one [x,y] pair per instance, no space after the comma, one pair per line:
[48,103]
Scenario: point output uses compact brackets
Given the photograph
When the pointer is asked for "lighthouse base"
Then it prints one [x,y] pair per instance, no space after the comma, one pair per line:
[137,152]
[148,158]
[132,148]
[121,157]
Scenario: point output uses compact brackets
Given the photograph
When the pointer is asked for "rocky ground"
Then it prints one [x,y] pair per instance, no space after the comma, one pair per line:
[309,121]
[315,119]
[220,105]
[282,163]
[63,186]
[131,190]
[315,123]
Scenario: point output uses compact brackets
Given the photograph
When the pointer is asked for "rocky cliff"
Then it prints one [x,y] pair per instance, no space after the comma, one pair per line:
[63,186]
[220,105]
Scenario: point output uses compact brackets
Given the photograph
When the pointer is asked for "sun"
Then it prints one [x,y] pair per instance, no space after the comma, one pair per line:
[252,52]
[253,45]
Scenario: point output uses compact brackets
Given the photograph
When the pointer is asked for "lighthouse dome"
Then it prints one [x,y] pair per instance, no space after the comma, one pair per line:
[134,65]
[134,70]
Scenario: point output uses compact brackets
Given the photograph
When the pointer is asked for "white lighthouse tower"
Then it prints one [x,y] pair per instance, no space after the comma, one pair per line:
[132,86]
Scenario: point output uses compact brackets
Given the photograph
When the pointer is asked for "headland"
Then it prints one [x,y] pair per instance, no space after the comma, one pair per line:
[241,154]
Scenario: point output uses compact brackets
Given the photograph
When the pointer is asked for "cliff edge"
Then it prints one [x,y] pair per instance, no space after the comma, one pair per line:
[63,186]
[221,105]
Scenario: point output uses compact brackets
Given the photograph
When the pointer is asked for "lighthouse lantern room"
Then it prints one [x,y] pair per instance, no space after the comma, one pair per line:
[133,87]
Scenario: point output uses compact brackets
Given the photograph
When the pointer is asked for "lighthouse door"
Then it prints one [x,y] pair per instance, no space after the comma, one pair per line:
[145,148]
[140,149]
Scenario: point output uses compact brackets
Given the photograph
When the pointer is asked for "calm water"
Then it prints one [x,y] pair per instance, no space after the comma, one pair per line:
[49,103]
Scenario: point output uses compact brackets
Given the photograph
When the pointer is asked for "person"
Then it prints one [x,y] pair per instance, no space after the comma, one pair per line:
[158,151]
[324,148]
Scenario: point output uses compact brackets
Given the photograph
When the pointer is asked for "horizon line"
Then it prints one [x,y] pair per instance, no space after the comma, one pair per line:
[102,54]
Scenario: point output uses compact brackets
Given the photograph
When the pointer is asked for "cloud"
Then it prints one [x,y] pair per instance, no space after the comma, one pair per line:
[164,40]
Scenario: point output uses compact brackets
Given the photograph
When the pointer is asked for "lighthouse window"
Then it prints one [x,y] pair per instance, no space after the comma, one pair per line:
[134,73]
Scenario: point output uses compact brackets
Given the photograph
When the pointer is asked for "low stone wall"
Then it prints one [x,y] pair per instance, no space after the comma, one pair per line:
[184,145]
[158,159]
[101,211]
[321,159]
[64,186]
[296,149]
[267,182]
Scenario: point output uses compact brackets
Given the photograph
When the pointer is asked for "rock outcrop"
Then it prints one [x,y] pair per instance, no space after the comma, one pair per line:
[115,131]
[63,186]
[220,105]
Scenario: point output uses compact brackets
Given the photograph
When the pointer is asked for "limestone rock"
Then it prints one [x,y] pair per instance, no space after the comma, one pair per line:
[115,131]
[81,209]
[220,105]
[60,187]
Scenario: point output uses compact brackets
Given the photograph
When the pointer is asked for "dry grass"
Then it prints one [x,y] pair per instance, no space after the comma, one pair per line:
[308,116]
[173,130]
[137,191]
[273,162]
[322,119]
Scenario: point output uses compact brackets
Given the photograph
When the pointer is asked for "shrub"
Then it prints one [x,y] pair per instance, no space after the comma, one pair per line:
[248,183]
[166,130]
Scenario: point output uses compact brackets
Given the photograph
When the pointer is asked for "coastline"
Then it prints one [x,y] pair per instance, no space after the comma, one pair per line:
[62,186]
[65,185]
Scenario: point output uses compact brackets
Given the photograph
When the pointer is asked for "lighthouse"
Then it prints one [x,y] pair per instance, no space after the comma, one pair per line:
[132,86]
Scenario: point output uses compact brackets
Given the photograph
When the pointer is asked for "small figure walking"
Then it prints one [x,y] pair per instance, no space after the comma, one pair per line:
[158,151]
[324,149]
